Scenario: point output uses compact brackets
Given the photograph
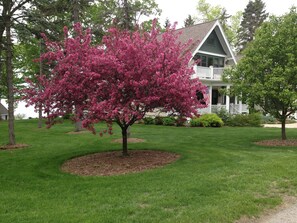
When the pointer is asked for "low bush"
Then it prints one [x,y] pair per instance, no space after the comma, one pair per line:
[207,120]
[148,121]
[169,121]
[268,119]
[224,115]
[181,121]
[158,120]
[241,120]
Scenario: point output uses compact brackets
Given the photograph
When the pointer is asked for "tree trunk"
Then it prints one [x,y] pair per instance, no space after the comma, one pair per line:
[40,73]
[125,141]
[40,116]
[9,72]
[78,126]
[284,136]
[75,11]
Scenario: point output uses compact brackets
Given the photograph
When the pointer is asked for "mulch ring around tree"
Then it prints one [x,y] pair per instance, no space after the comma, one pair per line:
[11,147]
[277,142]
[113,163]
[130,140]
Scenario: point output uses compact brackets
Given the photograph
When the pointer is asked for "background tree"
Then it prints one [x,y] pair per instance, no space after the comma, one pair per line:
[11,11]
[253,16]
[134,73]
[189,21]
[230,24]
[267,74]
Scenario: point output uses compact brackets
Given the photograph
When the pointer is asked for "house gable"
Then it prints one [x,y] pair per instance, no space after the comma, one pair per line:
[3,110]
[201,34]
[213,45]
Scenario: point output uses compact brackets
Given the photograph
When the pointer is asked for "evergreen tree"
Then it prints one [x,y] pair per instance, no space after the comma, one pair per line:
[167,23]
[253,16]
[189,21]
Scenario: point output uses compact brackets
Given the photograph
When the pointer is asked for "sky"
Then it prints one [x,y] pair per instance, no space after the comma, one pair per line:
[178,11]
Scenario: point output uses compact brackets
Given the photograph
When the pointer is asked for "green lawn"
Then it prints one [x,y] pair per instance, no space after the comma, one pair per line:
[220,176]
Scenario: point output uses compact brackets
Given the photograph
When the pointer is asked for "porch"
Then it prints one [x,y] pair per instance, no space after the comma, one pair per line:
[217,100]
[208,73]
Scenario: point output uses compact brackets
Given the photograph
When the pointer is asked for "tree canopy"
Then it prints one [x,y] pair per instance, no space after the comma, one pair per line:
[130,74]
[253,16]
[267,74]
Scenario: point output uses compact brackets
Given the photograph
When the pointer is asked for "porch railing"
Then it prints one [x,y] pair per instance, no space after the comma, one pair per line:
[212,73]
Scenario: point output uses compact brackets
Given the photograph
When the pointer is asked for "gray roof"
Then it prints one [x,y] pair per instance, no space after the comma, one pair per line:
[3,110]
[196,32]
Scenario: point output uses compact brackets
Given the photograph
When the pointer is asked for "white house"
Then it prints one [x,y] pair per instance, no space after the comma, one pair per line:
[211,47]
[3,112]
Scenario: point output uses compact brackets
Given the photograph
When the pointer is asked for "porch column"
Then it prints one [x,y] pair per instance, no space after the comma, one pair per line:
[240,107]
[210,97]
[211,72]
[228,100]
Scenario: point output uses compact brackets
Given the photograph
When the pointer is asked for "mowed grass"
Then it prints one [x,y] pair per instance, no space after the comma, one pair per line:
[220,176]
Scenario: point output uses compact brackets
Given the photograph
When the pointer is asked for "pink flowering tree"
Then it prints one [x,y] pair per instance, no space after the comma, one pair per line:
[143,71]
[130,74]
[65,90]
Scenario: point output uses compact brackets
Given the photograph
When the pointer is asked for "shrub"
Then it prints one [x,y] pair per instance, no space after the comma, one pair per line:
[224,115]
[169,121]
[195,122]
[181,121]
[19,116]
[158,120]
[207,120]
[267,119]
[148,121]
[253,120]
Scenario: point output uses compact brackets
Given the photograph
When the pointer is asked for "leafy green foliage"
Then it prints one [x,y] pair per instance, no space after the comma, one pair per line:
[148,121]
[266,75]
[158,120]
[169,121]
[240,120]
[230,23]
[207,120]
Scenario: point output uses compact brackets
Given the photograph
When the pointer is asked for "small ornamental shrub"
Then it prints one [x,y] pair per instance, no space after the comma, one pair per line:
[242,120]
[195,122]
[207,120]
[224,115]
[158,120]
[148,121]
[268,119]
[169,121]
[181,121]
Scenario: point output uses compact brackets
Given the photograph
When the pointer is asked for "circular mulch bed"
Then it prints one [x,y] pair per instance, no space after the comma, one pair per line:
[113,163]
[130,140]
[16,146]
[277,142]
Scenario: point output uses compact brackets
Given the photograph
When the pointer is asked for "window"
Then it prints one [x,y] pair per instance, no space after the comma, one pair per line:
[208,60]
[200,97]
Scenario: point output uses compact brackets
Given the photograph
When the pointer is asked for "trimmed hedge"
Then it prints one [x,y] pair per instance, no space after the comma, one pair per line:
[207,120]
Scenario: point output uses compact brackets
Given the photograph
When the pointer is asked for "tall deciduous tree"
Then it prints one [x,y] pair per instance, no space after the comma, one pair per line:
[230,24]
[267,74]
[253,16]
[131,74]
